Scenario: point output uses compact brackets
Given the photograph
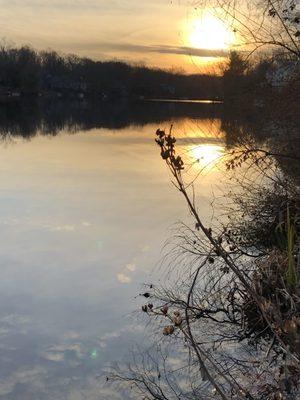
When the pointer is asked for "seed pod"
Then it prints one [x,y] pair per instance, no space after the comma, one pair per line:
[165,309]
[177,320]
[168,330]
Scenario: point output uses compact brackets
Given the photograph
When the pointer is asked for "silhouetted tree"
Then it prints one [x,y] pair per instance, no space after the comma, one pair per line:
[235,75]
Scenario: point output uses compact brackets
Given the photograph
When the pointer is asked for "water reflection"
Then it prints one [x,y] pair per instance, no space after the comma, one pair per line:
[26,119]
[82,221]
[207,155]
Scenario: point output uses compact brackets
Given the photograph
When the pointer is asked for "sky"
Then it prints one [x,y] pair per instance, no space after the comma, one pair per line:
[160,33]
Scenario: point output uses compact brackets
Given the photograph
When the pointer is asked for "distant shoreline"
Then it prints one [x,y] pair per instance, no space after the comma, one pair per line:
[192,101]
[18,96]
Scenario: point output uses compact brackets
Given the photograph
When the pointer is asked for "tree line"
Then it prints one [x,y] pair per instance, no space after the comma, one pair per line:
[30,72]
[25,71]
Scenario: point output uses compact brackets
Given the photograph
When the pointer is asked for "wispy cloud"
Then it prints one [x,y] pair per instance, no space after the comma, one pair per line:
[162,49]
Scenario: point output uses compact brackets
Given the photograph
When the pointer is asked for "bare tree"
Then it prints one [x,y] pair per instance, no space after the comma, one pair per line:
[260,24]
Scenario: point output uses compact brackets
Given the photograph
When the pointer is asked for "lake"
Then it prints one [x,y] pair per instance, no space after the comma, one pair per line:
[86,206]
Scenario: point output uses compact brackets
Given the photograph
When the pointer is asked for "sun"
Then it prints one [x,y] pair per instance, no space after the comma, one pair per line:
[209,32]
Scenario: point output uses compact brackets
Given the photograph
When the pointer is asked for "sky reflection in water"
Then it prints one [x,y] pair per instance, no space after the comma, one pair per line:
[82,222]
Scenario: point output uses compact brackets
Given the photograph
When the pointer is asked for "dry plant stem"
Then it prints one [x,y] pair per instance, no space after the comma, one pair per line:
[199,352]
[204,371]
[220,250]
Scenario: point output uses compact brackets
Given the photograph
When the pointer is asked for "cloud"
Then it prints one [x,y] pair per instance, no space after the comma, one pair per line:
[130,267]
[64,228]
[55,357]
[122,278]
[57,353]
[21,377]
[123,275]
[160,49]
[86,223]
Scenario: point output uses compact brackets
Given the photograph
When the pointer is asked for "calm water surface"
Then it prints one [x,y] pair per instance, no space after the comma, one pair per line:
[83,219]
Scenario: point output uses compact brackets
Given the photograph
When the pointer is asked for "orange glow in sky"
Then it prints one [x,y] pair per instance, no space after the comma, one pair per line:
[155,33]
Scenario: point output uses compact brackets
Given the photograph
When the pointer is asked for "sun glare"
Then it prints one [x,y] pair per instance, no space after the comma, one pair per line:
[209,32]
[207,155]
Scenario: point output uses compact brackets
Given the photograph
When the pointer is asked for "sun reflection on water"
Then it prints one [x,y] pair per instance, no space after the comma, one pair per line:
[207,155]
